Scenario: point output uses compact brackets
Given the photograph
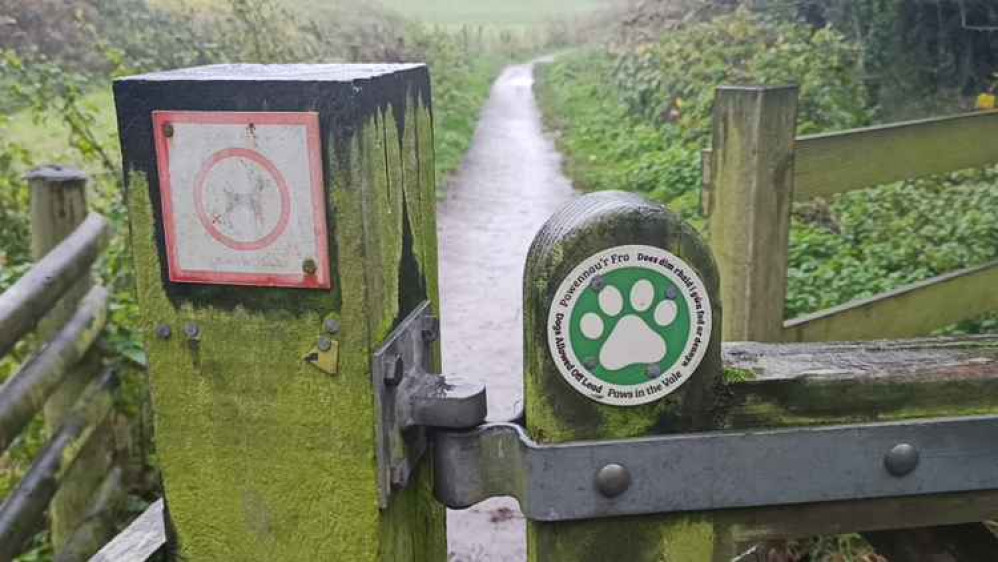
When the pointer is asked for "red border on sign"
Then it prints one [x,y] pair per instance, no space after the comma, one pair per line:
[282,187]
[322,278]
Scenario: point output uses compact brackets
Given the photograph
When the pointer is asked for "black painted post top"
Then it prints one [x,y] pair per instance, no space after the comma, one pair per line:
[282,222]
[339,98]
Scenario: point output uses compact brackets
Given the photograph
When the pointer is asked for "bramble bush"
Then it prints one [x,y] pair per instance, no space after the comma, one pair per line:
[636,117]
[638,120]
[672,82]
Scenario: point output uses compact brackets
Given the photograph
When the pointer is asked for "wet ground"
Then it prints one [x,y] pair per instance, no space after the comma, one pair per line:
[509,184]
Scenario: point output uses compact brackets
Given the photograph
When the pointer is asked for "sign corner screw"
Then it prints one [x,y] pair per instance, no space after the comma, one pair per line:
[309,266]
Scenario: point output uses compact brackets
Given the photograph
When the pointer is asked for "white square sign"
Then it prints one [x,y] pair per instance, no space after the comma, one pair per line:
[242,198]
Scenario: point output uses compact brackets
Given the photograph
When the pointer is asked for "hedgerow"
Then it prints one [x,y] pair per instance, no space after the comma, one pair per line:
[636,118]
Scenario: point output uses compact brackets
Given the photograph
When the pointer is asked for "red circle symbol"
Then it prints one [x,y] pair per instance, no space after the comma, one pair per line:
[210,224]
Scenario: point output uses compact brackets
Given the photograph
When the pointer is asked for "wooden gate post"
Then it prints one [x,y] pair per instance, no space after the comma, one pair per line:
[750,192]
[622,339]
[282,223]
[58,206]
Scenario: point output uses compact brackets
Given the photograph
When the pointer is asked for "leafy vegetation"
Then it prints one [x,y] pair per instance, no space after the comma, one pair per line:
[636,118]
[636,113]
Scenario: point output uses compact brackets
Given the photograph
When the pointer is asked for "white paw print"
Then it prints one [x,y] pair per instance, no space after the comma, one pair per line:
[632,340]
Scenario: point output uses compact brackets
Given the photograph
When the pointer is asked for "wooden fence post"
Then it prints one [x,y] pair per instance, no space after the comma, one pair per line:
[622,339]
[752,168]
[58,206]
[282,223]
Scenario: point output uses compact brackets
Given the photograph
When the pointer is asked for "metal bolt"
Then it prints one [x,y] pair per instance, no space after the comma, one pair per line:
[901,459]
[163,332]
[192,330]
[597,283]
[331,326]
[431,330]
[395,377]
[399,476]
[309,266]
[653,370]
[325,344]
[168,130]
[590,362]
[671,293]
[613,480]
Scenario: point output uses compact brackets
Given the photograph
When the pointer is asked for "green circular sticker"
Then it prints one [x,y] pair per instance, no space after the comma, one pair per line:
[629,325]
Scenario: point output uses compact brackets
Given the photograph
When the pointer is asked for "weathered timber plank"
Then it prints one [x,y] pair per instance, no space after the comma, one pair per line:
[813,384]
[834,518]
[58,209]
[942,543]
[22,512]
[139,541]
[25,393]
[909,311]
[750,191]
[99,520]
[817,384]
[837,162]
[34,294]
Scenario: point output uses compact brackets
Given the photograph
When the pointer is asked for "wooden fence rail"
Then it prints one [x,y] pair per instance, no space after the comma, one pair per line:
[25,393]
[34,294]
[73,479]
[757,168]
[23,511]
[839,162]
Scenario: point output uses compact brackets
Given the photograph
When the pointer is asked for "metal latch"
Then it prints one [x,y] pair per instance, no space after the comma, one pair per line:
[410,398]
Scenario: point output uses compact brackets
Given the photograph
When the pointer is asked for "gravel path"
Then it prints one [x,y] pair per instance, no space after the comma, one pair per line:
[509,184]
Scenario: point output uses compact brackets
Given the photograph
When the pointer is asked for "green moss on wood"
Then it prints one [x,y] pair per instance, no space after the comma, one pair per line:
[732,374]
[557,413]
[263,456]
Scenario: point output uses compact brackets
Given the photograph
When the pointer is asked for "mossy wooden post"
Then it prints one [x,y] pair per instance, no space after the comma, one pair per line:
[58,206]
[751,189]
[578,256]
[264,410]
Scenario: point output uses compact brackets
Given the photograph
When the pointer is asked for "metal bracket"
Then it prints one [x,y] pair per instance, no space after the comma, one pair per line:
[409,398]
[710,471]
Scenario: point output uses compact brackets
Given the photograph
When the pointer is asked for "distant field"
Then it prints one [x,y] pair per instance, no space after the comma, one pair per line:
[450,12]
[504,12]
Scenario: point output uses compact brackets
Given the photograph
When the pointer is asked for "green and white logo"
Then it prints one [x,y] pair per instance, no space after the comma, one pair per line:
[629,325]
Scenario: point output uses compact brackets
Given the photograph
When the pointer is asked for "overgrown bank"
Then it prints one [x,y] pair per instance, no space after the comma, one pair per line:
[635,117]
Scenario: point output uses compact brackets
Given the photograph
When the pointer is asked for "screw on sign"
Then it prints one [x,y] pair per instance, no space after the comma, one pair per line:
[242,198]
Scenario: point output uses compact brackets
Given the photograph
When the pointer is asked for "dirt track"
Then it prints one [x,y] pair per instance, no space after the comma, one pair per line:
[509,184]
